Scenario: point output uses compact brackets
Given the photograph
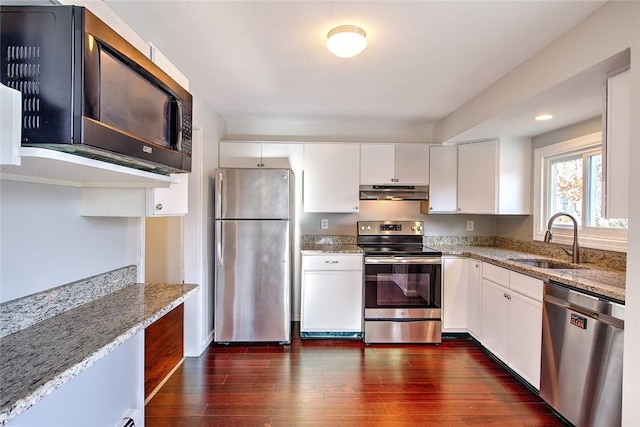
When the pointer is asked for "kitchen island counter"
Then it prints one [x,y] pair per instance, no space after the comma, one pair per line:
[38,359]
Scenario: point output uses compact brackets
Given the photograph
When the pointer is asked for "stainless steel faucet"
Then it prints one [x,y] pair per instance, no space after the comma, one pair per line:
[576,249]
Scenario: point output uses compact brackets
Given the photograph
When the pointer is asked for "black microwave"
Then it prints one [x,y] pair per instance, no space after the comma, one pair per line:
[86,90]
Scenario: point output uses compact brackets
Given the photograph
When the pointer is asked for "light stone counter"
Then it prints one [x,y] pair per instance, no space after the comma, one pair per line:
[36,360]
[591,278]
[331,248]
[601,273]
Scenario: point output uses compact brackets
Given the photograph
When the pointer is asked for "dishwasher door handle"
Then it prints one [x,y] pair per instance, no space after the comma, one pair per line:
[601,317]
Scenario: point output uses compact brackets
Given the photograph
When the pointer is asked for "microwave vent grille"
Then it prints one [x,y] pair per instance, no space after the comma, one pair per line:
[23,74]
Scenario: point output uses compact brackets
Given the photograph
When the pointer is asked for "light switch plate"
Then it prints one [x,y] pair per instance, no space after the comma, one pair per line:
[470,225]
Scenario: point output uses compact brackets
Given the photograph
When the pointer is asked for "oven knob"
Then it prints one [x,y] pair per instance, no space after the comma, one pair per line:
[368,228]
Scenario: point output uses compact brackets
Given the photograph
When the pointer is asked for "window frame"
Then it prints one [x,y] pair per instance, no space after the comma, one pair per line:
[592,237]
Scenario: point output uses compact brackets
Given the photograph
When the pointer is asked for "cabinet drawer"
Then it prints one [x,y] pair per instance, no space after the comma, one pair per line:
[526,285]
[495,274]
[332,262]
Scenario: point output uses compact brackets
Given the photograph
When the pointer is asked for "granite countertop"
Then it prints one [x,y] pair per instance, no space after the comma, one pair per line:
[594,279]
[40,358]
[330,249]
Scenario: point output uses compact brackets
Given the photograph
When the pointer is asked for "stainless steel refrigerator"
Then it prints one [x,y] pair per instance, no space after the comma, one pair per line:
[253,213]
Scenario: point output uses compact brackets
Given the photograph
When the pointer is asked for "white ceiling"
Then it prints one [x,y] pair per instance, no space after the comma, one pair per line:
[267,60]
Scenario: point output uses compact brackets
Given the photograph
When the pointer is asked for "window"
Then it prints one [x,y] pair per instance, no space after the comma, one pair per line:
[568,178]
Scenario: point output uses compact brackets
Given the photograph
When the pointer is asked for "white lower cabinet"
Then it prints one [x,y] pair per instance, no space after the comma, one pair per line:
[461,295]
[474,297]
[331,294]
[454,294]
[511,320]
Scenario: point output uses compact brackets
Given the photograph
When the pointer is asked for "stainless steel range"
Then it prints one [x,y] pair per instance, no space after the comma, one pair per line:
[403,284]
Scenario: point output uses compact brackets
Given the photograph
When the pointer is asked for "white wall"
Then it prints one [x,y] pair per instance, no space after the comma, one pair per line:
[44,242]
[164,248]
[435,225]
[99,397]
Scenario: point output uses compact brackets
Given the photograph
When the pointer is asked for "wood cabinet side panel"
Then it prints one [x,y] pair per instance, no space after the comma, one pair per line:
[163,348]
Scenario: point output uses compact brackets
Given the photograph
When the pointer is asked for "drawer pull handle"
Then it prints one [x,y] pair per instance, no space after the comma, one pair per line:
[332,262]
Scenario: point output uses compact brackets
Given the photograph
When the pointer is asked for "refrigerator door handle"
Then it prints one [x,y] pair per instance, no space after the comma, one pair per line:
[219,244]
[218,199]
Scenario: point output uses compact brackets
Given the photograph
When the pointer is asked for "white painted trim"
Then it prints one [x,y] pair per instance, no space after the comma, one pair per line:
[195,339]
[612,240]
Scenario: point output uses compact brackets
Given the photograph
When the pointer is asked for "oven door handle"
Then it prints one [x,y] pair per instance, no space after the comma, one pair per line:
[402,260]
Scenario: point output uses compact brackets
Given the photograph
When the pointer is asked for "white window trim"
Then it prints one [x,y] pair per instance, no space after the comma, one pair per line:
[612,240]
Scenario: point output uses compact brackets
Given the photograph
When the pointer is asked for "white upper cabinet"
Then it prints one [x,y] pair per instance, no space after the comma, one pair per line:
[331,178]
[501,174]
[443,179]
[276,155]
[402,164]
[377,164]
[271,155]
[137,202]
[477,177]
[412,164]
[618,117]
[488,177]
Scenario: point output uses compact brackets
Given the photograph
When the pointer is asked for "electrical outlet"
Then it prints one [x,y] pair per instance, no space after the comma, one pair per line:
[470,225]
[324,223]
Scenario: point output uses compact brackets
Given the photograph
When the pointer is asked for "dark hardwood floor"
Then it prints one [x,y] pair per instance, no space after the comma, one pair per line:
[345,383]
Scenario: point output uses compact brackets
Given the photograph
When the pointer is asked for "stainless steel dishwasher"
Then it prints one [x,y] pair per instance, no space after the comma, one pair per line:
[581,367]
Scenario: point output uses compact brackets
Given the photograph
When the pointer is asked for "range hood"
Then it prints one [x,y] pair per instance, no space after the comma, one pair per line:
[394,192]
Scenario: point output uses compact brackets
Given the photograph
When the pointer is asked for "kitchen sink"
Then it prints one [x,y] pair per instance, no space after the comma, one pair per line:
[544,263]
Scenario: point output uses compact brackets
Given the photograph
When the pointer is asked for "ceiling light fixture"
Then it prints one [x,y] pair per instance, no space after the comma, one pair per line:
[346,41]
[543,117]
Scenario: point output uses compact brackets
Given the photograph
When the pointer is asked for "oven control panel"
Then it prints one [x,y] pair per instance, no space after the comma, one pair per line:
[396,228]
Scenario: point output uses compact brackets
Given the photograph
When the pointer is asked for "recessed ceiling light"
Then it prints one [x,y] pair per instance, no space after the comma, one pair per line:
[543,117]
[346,41]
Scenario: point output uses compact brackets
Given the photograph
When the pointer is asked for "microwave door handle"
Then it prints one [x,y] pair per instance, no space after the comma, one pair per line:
[179,125]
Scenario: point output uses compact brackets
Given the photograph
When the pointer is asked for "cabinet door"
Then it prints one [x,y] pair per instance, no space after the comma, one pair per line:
[443,166]
[331,301]
[240,154]
[412,164]
[454,295]
[618,116]
[525,337]
[477,177]
[172,201]
[495,319]
[331,178]
[474,297]
[377,164]
[282,156]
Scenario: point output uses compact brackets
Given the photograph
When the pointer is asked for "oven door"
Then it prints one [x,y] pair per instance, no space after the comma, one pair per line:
[402,287]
